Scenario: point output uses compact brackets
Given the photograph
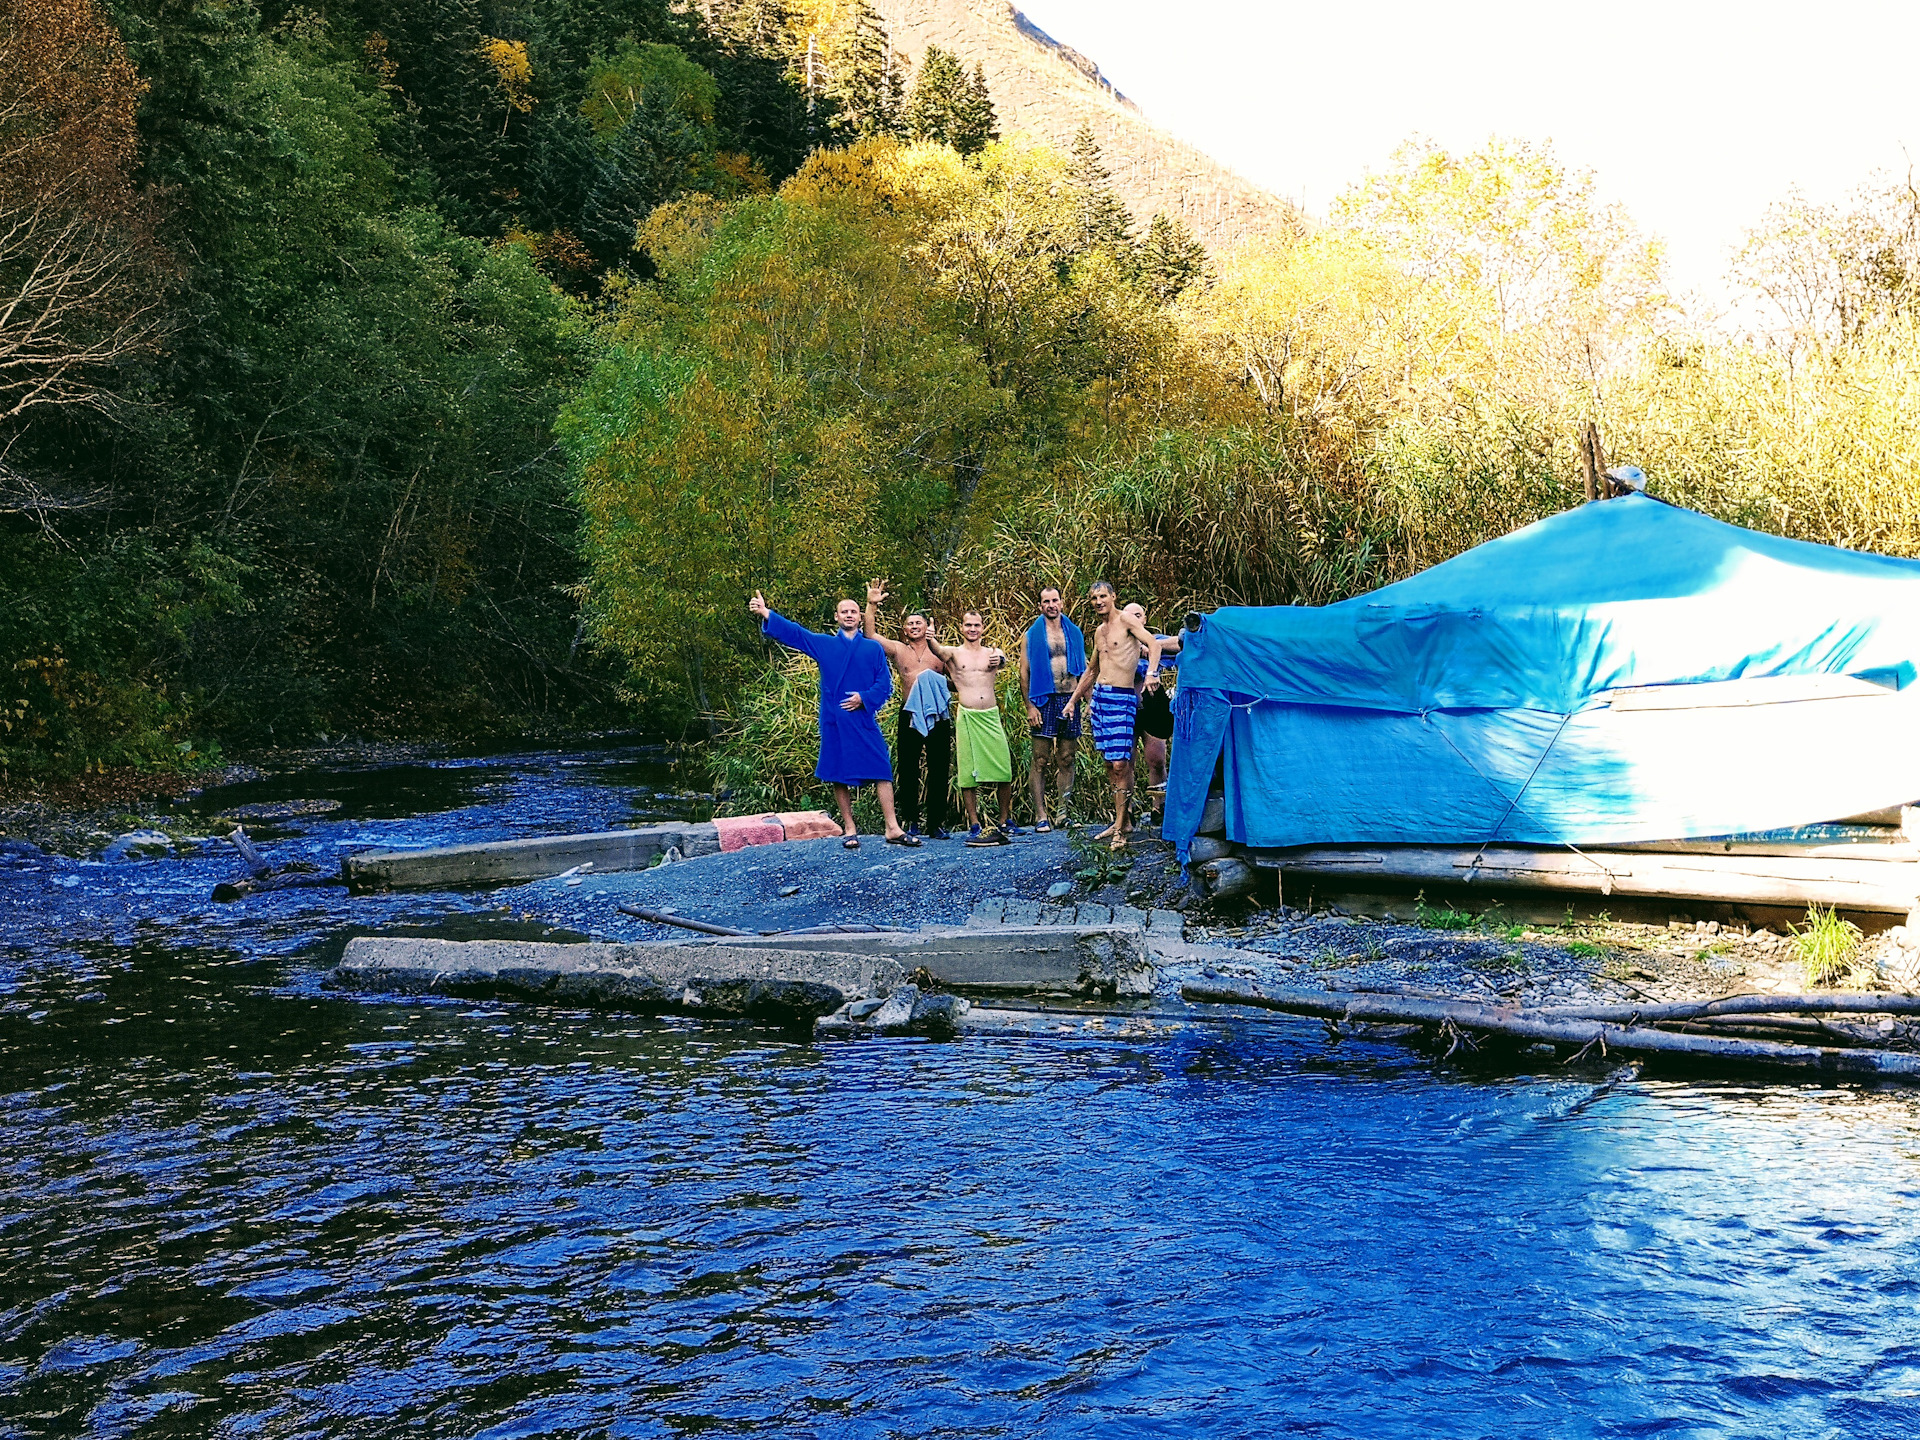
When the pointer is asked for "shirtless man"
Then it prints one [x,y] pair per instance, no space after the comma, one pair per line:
[1153,728]
[980,738]
[1053,657]
[1119,640]
[929,705]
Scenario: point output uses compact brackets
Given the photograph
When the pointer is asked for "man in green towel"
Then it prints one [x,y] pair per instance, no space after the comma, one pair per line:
[980,740]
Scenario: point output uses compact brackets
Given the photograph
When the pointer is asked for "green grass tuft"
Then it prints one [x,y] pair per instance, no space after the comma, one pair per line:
[1830,950]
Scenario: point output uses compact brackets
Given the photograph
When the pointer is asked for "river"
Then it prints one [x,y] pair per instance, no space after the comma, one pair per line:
[237,1203]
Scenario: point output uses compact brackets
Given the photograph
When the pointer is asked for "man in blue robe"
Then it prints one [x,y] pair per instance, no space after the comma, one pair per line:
[855,681]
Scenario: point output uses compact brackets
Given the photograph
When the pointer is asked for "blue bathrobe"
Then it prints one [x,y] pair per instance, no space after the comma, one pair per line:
[852,750]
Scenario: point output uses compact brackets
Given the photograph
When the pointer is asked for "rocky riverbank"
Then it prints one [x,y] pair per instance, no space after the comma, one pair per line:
[1056,880]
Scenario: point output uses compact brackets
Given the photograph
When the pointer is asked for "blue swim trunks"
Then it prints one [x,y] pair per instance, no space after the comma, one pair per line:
[1054,725]
[1114,708]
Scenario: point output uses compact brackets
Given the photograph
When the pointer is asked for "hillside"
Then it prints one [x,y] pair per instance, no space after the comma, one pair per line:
[1049,90]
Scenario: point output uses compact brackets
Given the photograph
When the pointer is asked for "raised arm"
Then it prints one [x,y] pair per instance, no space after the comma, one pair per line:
[945,653]
[877,596]
[778,628]
[1152,642]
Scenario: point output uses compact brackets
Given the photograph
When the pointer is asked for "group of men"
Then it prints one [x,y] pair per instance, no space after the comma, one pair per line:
[950,714]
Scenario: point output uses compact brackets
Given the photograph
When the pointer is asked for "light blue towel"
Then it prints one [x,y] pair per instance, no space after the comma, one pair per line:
[929,701]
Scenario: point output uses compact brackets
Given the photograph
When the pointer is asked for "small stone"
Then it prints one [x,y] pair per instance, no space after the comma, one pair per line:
[897,1009]
[139,844]
[939,1015]
[861,1009]
[1059,890]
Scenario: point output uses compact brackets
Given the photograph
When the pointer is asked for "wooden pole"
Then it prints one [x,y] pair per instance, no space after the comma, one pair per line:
[1453,1017]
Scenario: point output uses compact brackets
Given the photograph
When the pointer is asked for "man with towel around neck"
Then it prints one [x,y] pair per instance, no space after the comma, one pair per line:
[980,740]
[1119,640]
[1052,660]
[854,684]
[925,723]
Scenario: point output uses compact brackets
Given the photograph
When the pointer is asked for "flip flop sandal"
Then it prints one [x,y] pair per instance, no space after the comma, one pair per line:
[1043,828]
[852,842]
[912,842]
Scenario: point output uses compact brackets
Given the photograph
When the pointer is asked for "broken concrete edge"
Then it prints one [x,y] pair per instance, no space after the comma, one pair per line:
[790,983]
[602,852]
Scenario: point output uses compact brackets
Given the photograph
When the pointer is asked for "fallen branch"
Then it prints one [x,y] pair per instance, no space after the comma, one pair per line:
[661,917]
[1454,1017]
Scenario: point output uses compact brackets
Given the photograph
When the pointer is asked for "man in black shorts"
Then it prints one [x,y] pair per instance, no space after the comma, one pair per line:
[1153,723]
[1052,660]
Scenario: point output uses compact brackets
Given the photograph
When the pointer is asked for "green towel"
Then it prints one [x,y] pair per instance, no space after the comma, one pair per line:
[981,742]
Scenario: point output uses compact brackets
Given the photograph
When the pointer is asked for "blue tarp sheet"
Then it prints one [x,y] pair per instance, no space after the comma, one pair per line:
[1481,700]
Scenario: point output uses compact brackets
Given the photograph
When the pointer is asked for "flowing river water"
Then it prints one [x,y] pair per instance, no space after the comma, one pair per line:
[235,1203]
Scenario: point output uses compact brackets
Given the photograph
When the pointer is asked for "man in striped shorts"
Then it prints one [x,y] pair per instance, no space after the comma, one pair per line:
[1118,641]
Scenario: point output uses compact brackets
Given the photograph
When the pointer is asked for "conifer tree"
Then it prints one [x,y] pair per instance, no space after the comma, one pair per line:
[977,127]
[763,103]
[1100,216]
[938,104]
[865,80]
[1170,258]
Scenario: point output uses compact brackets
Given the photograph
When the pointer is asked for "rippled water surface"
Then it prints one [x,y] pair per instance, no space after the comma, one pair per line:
[237,1204]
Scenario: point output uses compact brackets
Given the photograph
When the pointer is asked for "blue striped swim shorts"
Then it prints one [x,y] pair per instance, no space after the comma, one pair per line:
[1114,707]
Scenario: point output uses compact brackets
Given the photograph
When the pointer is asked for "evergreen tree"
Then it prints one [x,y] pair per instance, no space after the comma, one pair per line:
[763,102]
[938,103]
[865,79]
[1100,216]
[977,127]
[1170,258]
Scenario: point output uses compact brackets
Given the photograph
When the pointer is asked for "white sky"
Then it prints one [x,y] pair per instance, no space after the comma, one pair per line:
[1694,115]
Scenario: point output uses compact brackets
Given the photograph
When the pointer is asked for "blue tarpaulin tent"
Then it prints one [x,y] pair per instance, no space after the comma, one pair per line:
[1624,671]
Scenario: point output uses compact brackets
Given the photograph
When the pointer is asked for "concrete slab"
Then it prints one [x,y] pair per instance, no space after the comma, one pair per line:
[510,861]
[786,985]
[1082,960]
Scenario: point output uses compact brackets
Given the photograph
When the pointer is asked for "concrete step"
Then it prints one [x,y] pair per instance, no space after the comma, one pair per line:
[721,976]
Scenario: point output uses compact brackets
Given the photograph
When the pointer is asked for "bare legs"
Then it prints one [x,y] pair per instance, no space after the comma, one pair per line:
[970,803]
[1057,754]
[843,796]
[1037,776]
[1120,776]
[1155,749]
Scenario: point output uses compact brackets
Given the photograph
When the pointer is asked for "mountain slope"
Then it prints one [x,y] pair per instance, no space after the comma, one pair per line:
[1049,90]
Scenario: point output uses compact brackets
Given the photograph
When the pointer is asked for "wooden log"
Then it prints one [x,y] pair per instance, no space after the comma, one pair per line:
[1536,1028]
[1213,816]
[256,863]
[661,917]
[1226,877]
[1824,1003]
[1876,885]
[1208,847]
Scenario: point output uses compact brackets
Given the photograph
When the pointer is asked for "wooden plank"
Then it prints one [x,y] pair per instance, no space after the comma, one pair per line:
[505,862]
[1889,851]
[1751,879]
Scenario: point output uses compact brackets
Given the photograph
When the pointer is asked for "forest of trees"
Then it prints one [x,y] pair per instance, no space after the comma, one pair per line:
[431,367]
[290,299]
